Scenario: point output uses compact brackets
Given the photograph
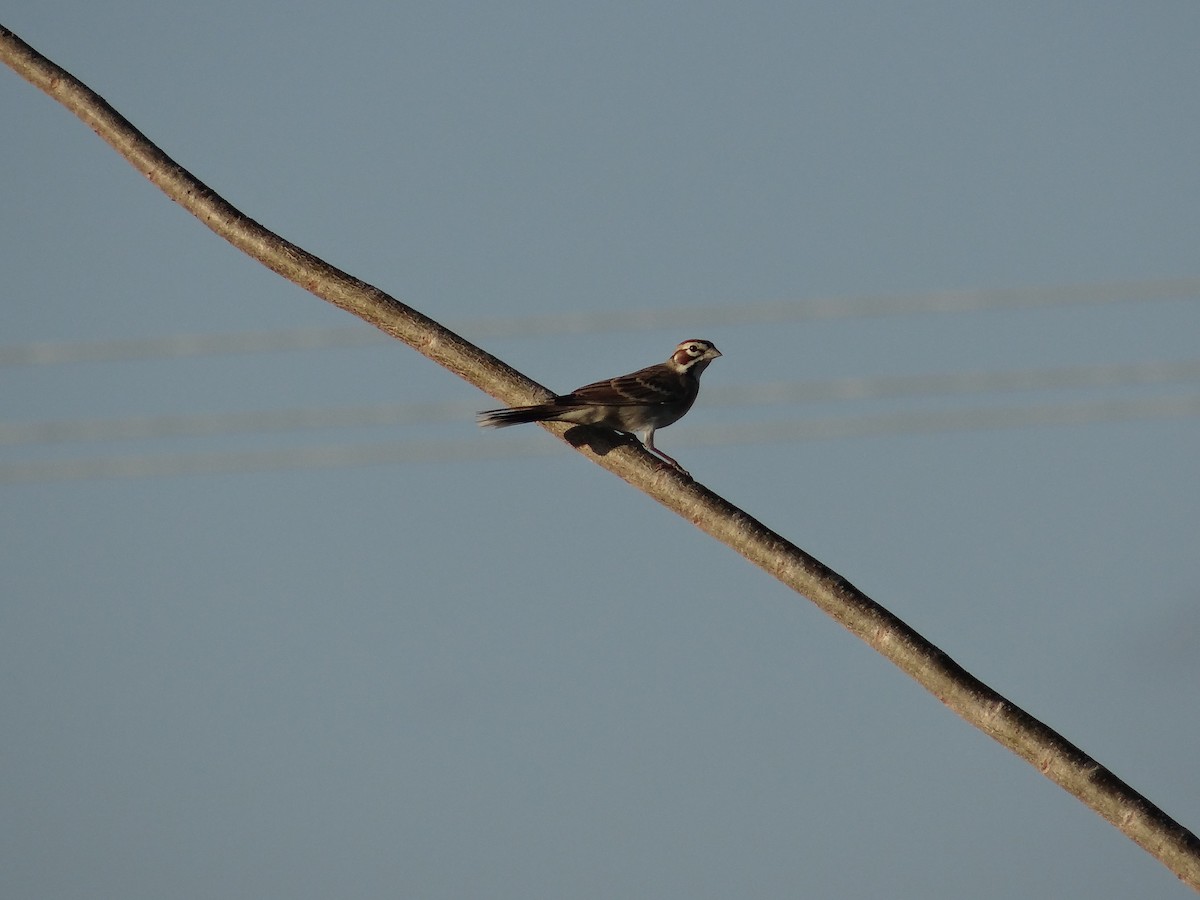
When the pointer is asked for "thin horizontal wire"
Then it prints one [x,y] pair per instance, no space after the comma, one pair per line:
[851,388]
[225,462]
[931,421]
[213,424]
[495,447]
[47,353]
[893,386]
[849,307]
[683,319]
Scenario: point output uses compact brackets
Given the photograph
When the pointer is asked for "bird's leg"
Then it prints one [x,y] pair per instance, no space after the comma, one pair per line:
[648,443]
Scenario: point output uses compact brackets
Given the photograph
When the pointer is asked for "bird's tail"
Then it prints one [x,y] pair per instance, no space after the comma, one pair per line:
[517,415]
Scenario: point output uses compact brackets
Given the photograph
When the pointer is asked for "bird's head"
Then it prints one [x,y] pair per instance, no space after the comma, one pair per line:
[693,355]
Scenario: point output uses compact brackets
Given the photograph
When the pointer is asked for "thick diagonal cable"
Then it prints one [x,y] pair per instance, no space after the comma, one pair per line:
[1049,752]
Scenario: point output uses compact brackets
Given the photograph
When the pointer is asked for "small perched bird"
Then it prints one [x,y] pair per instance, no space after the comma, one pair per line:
[642,401]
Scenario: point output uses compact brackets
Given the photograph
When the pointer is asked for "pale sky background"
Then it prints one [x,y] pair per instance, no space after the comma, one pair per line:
[490,669]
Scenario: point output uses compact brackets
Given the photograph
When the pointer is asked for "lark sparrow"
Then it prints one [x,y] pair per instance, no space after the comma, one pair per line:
[642,401]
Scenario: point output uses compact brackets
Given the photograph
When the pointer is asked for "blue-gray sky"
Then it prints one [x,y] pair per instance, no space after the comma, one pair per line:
[508,674]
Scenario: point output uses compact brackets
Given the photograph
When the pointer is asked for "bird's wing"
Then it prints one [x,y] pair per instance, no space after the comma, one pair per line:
[654,384]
